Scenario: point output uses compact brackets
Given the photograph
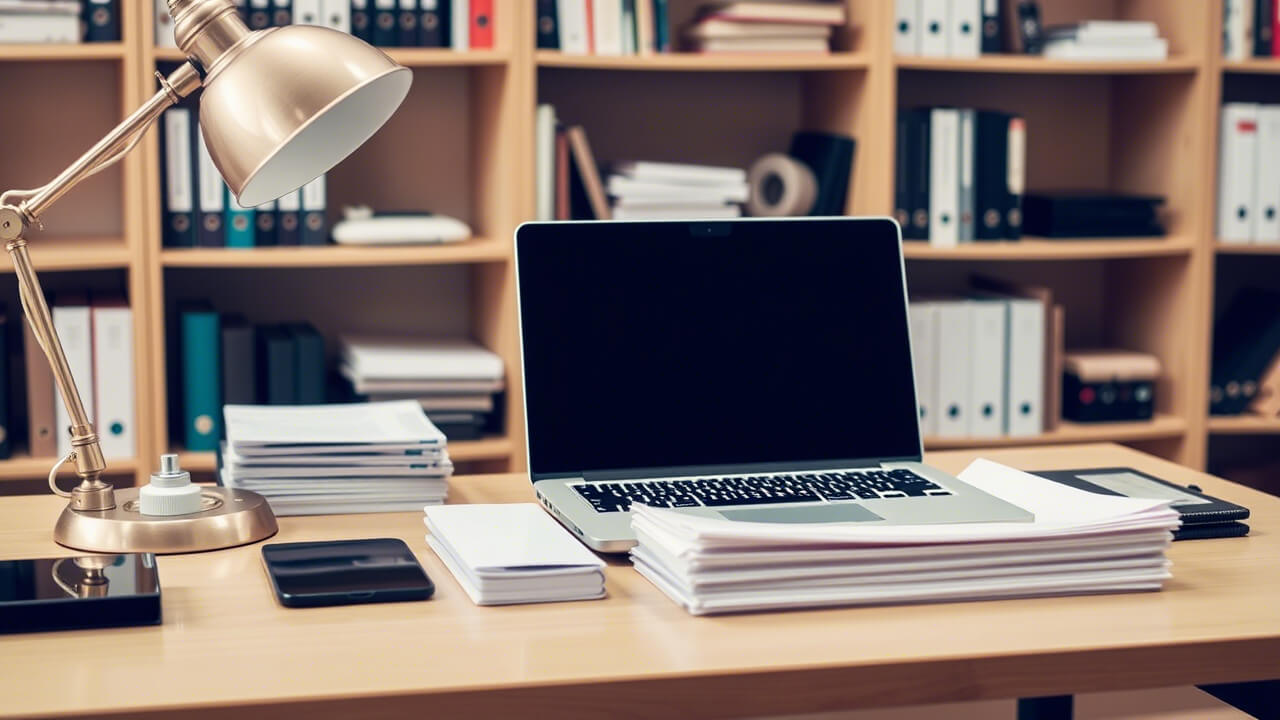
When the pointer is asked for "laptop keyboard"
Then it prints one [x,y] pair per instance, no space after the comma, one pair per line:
[759,490]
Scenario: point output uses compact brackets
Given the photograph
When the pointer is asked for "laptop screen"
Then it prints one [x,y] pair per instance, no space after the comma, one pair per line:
[680,345]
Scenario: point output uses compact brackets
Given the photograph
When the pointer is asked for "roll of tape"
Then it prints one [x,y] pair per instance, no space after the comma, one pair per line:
[781,186]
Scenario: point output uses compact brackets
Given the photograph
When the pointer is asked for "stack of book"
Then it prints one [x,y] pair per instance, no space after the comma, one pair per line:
[453,380]
[653,190]
[802,27]
[59,21]
[1104,40]
[1248,175]
[1249,29]
[335,459]
[960,175]
[1092,214]
[1079,543]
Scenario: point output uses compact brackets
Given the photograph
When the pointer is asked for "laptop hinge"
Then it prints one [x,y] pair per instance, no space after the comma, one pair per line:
[736,469]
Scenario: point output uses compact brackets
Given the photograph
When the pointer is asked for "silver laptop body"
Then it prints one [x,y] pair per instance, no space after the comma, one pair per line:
[667,361]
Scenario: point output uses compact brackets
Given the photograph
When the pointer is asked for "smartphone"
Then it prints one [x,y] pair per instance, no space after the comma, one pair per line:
[345,572]
[74,593]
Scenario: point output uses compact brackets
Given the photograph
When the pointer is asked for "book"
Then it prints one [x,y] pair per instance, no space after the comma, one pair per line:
[545,160]
[372,358]
[586,174]
[1157,49]
[716,28]
[798,12]
[761,44]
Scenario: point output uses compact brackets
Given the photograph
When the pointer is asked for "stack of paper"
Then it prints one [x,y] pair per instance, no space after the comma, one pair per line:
[1106,40]
[453,380]
[1079,543]
[331,459]
[660,191]
[508,554]
[40,21]
[764,27]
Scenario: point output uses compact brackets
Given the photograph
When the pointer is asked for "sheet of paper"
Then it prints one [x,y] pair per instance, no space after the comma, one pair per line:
[507,538]
[343,424]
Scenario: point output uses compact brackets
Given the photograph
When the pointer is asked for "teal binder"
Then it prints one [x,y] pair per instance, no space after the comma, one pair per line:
[239,224]
[201,378]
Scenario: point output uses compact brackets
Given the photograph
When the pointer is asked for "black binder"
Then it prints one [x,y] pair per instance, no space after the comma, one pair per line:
[1246,338]
[264,220]
[281,13]
[830,157]
[308,348]
[362,20]
[1263,16]
[990,181]
[434,24]
[548,25]
[901,175]
[1203,516]
[919,122]
[102,21]
[992,26]
[385,17]
[407,23]
[259,14]
[239,367]
[277,366]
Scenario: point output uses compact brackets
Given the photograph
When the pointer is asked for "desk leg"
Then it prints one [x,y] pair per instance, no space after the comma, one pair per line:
[1260,699]
[1057,707]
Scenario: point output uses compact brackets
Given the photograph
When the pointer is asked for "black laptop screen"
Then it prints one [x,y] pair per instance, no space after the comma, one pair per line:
[669,345]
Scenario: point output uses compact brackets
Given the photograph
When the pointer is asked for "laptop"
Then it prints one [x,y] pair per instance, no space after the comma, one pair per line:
[755,370]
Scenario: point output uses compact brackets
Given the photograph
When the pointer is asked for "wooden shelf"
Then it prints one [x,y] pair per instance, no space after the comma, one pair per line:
[1032,248]
[1034,64]
[22,466]
[1243,425]
[1251,249]
[51,51]
[409,57]
[493,448]
[480,250]
[1252,66]
[82,253]
[1163,426]
[695,62]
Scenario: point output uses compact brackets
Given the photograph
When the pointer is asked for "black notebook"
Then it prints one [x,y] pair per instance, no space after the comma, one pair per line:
[1202,516]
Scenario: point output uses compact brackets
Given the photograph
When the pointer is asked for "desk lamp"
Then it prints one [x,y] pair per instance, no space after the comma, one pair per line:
[279,108]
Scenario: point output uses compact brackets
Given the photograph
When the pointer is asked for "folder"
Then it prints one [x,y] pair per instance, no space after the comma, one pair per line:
[361,20]
[572,21]
[988,328]
[178,175]
[953,357]
[315,229]
[965,27]
[921,132]
[239,362]
[482,20]
[211,192]
[906,27]
[336,14]
[308,12]
[990,184]
[289,218]
[239,222]
[902,151]
[6,412]
[924,353]
[264,217]
[588,176]
[606,21]
[42,438]
[1016,182]
[407,23]
[73,323]
[1237,158]
[433,25]
[661,25]
[935,41]
[164,25]
[114,376]
[1266,198]
[944,179]
[259,14]
[1263,29]
[102,20]
[201,377]
[308,348]
[460,25]
[1025,363]
[1236,43]
[545,148]
[281,13]
[830,157]
[966,202]
[630,43]
[992,27]
[277,367]
[644,27]
[548,25]
[384,23]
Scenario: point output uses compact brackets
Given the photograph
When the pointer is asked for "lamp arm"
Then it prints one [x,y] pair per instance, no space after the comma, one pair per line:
[21,208]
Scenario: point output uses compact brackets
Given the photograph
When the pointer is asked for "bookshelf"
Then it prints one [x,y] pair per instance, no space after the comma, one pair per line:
[463,145]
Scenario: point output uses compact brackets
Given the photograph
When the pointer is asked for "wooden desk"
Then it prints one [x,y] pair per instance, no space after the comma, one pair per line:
[226,649]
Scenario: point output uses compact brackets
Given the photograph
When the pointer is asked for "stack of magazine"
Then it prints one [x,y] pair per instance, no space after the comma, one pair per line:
[1079,543]
[331,459]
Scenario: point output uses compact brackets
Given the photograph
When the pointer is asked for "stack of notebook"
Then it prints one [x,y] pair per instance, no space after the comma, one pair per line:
[509,554]
[1104,40]
[1079,543]
[764,27]
[660,191]
[332,459]
[453,380]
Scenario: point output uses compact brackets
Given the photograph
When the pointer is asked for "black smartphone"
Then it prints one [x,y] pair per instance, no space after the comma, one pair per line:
[345,572]
[73,593]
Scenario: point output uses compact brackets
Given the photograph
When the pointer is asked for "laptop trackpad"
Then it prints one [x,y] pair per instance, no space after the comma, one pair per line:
[843,512]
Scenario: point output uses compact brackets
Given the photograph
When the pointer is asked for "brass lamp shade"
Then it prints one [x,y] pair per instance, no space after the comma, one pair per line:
[293,102]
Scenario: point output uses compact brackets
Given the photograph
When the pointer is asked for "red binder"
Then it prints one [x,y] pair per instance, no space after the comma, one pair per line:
[481,24]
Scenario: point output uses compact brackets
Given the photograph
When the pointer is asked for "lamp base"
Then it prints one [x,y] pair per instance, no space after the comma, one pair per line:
[229,517]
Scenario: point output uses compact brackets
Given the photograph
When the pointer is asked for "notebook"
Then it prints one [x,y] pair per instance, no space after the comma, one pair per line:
[512,553]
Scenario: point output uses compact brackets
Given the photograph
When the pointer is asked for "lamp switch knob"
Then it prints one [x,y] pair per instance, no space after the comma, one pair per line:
[170,491]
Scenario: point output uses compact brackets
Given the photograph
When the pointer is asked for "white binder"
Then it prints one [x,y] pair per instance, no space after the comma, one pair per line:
[935,41]
[113,375]
[336,14]
[1266,196]
[924,354]
[906,27]
[1237,157]
[72,323]
[988,325]
[572,21]
[953,358]
[164,25]
[460,25]
[606,19]
[308,12]
[965,28]
[944,188]
[545,149]
[1025,367]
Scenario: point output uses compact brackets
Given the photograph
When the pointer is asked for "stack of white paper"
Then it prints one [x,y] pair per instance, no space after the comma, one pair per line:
[1079,543]
[329,459]
[509,554]
[1106,40]
[660,191]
